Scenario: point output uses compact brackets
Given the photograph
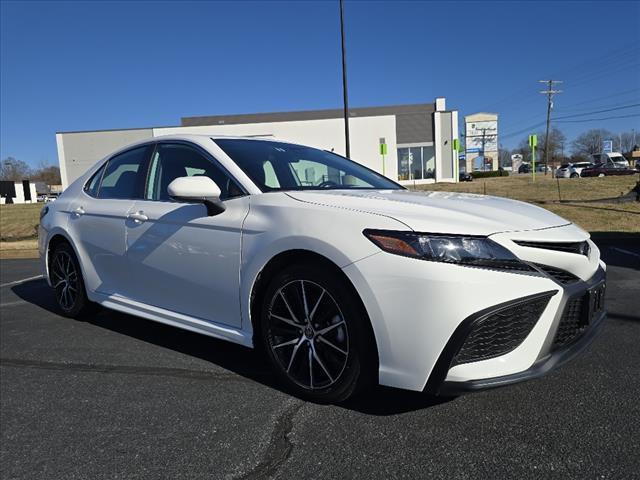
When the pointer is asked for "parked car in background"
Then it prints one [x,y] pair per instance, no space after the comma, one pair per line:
[524,168]
[343,277]
[571,170]
[603,170]
[465,177]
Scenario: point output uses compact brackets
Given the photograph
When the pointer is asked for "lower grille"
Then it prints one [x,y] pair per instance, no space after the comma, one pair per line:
[500,331]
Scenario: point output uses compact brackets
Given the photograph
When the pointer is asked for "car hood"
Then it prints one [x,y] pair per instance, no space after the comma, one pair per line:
[439,212]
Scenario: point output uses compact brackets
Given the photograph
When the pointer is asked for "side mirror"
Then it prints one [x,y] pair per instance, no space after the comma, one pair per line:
[197,190]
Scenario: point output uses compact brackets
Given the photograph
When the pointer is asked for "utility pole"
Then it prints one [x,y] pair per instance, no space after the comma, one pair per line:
[549,92]
[344,84]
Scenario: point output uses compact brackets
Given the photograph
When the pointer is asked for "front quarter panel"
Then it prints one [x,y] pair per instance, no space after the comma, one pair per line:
[277,223]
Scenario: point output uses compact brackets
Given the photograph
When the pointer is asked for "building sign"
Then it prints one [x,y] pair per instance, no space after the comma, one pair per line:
[607,146]
[482,136]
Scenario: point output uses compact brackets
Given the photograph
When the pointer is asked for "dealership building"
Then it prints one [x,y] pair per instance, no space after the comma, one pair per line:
[418,139]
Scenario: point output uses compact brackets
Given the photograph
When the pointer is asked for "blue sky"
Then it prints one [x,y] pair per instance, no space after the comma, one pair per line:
[97,65]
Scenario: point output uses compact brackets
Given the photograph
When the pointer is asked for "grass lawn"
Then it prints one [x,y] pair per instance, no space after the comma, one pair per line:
[595,216]
[20,221]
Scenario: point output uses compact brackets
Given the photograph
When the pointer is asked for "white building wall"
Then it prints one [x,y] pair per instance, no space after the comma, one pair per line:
[326,134]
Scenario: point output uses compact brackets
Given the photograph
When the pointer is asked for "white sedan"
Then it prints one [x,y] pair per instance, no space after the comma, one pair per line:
[342,276]
[572,170]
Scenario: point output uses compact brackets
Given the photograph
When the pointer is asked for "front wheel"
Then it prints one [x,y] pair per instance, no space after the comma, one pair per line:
[315,334]
[601,175]
[575,175]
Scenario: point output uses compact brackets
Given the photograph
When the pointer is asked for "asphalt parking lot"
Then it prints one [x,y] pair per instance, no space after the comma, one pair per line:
[122,397]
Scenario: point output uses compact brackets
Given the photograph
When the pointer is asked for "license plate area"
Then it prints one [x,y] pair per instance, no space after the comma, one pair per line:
[594,300]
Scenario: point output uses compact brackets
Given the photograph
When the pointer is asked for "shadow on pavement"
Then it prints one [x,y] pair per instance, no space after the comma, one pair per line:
[240,360]
[619,249]
[623,317]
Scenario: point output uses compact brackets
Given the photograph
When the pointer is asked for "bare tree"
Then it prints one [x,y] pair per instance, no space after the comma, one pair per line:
[44,172]
[49,175]
[504,157]
[625,142]
[14,170]
[590,142]
[557,141]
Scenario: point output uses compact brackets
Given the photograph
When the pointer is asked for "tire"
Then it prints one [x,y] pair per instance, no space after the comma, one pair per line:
[574,175]
[601,175]
[329,358]
[68,284]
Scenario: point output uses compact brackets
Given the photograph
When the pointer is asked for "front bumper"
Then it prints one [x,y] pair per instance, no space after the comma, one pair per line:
[537,370]
[416,306]
[559,352]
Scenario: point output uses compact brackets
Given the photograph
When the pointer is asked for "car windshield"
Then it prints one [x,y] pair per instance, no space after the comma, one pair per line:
[565,165]
[277,166]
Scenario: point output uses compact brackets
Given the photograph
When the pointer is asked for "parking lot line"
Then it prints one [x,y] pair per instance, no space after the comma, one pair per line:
[627,252]
[18,282]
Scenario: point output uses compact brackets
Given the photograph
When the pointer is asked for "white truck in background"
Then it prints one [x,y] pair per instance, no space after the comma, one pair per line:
[610,159]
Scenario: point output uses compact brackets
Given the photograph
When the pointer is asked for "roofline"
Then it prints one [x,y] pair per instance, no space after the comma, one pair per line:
[116,129]
[288,116]
[301,115]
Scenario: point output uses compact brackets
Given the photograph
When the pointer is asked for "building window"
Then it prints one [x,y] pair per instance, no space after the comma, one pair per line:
[416,163]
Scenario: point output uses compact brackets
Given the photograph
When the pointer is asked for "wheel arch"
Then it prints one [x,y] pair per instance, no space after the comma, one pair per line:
[56,237]
[298,256]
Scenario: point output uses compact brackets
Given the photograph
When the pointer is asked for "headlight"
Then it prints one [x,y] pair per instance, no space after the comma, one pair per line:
[473,251]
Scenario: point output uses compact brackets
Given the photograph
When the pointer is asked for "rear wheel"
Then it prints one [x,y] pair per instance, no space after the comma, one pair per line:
[575,175]
[68,284]
[601,175]
[315,334]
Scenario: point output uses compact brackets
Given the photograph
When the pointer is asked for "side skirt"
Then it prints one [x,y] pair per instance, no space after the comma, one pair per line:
[131,307]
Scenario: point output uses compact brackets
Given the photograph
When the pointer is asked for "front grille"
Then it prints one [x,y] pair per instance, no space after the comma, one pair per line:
[501,331]
[561,276]
[579,248]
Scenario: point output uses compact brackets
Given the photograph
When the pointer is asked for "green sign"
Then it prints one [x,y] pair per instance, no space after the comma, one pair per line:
[456,144]
[383,149]
[533,140]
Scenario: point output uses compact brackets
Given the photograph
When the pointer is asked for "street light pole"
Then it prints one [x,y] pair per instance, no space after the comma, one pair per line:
[344,84]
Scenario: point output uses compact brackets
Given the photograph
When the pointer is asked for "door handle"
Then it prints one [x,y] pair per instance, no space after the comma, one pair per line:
[79,211]
[138,217]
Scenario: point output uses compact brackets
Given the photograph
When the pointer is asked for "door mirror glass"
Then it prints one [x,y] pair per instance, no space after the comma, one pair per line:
[198,189]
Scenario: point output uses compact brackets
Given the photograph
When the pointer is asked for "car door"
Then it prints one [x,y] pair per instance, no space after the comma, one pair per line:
[98,217]
[179,258]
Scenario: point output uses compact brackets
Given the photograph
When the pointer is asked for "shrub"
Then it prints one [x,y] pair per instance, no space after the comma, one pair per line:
[490,173]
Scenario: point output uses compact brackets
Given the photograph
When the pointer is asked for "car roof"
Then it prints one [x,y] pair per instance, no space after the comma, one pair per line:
[192,137]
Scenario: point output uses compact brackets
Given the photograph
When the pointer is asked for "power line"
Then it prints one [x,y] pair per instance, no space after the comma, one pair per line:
[599,119]
[617,94]
[514,132]
[616,58]
[598,111]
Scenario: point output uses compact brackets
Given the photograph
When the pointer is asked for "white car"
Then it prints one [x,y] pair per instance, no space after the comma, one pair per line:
[342,276]
[572,170]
